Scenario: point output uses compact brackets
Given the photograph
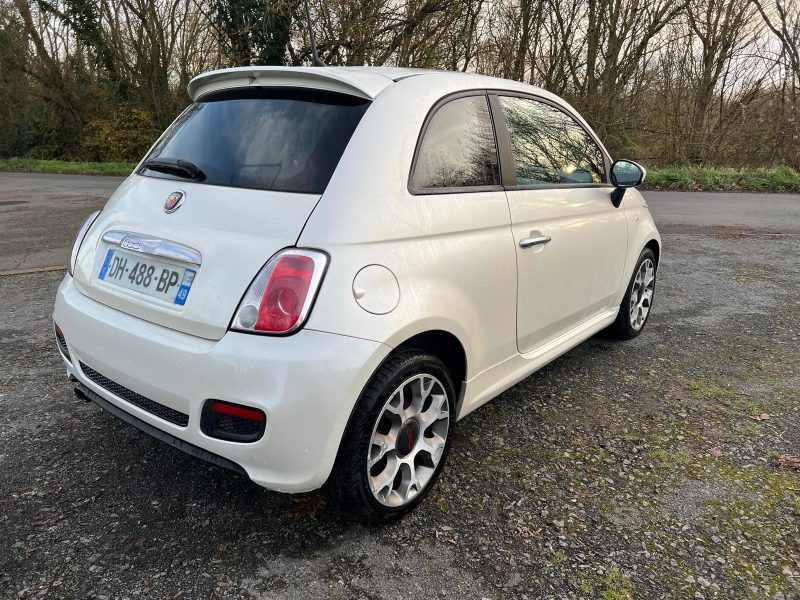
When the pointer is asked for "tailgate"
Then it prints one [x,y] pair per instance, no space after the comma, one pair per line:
[224,235]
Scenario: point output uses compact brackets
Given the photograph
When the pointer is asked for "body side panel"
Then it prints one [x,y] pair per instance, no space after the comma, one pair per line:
[578,273]
[452,254]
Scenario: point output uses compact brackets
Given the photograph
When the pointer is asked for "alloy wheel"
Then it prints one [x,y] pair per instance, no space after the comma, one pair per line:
[642,292]
[408,440]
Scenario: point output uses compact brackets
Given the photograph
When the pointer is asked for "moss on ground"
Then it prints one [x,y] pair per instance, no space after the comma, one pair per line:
[616,586]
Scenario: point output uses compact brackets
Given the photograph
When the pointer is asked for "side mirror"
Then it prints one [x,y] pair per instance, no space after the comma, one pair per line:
[625,174]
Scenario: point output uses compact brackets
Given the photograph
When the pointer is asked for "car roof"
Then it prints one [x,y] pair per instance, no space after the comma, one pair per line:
[365,82]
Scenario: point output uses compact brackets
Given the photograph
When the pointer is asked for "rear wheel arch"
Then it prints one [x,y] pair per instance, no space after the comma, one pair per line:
[443,345]
[350,478]
[446,347]
[656,248]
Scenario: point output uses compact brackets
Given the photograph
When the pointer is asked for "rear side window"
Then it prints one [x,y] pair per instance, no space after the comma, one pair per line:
[549,146]
[267,139]
[457,149]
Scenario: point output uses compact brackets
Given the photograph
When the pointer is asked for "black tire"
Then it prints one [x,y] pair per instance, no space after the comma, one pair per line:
[349,479]
[622,328]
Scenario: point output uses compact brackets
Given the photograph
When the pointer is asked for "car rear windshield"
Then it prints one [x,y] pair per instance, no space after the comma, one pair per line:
[285,140]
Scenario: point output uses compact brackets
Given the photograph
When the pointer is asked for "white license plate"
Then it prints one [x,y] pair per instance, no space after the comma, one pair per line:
[152,277]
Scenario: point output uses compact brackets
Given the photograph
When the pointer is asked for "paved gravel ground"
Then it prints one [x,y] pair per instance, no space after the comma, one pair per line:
[39,215]
[645,469]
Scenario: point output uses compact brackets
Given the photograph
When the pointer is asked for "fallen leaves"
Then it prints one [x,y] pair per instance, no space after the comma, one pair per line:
[307,506]
[786,462]
[445,532]
[761,417]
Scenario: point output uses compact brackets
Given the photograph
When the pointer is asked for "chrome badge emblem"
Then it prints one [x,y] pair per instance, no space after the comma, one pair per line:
[174,201]
[131,244]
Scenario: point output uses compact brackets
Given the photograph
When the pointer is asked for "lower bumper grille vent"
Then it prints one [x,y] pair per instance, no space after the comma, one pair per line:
[151,406]
[238,427]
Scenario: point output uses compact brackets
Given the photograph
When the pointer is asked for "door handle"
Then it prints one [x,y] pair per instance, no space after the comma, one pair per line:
[537,240]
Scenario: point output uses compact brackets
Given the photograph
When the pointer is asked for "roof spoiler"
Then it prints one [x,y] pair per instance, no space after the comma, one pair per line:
[331,79]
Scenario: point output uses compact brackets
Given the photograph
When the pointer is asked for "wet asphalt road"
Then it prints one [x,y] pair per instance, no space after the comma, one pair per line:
[644,469]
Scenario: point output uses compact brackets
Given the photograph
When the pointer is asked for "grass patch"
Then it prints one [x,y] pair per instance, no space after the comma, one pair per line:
[711,179]
[725,395]
[669,459]
[689,179]
[616,586]
[33,165]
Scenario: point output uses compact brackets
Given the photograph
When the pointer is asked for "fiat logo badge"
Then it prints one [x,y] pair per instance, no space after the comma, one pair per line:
[174,201]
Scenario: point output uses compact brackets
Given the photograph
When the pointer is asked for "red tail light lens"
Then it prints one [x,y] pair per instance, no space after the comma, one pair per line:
[280,298]
[286,291]
[235,410]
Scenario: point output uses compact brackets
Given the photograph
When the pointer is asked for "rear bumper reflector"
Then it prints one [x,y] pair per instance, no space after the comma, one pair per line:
[232,422]
[62,342]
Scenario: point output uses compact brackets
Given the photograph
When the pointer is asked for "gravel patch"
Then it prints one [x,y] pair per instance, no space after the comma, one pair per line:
[622,470]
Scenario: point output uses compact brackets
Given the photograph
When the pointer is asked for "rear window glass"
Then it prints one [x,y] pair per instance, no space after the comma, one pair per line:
[268,139]
[458,148]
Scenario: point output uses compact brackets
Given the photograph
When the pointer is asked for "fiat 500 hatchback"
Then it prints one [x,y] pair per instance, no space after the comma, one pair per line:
[315,272]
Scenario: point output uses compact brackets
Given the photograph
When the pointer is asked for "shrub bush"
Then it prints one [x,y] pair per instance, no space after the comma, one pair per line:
[122,135]
[697,178]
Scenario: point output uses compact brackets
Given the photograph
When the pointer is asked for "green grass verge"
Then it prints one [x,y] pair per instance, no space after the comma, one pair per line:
[717,179]
[32,165]
[690,179]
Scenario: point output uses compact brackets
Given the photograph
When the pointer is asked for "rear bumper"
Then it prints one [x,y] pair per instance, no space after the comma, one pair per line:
[306,384]
[161,436]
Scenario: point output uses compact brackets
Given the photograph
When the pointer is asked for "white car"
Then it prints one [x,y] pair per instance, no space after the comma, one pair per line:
[315,272]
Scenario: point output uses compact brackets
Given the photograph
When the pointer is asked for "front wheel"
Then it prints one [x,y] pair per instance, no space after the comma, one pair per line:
[638,300]
[397,440]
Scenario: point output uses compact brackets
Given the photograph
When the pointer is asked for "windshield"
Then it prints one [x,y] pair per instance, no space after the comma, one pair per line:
[285,140]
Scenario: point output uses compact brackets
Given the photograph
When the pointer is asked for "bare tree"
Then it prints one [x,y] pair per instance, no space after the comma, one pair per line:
[782,17]
[713,81]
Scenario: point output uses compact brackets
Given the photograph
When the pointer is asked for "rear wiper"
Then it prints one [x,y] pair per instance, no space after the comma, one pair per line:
[176,166]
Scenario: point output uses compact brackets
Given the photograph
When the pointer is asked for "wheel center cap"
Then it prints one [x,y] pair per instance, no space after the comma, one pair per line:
[407,438]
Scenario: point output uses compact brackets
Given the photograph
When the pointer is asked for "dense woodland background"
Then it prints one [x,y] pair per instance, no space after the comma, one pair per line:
[713,82]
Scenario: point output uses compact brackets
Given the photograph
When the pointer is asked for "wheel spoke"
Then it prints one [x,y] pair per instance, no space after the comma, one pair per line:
[436,411]
[426,388]
[385,478]
[381,444]
[414,389]
[395,404]
[649,276]
[409,484]
[433,446]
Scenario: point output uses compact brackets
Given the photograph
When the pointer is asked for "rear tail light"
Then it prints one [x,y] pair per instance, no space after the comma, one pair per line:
[232,422]
[76,246]
[280,297]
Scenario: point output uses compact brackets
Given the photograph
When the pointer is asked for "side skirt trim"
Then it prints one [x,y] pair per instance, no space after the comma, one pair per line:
[495,380]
